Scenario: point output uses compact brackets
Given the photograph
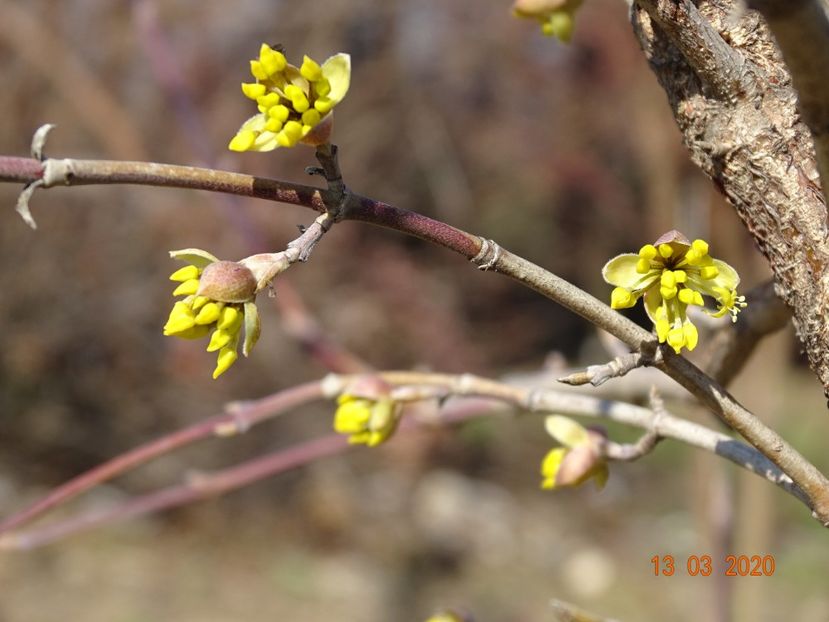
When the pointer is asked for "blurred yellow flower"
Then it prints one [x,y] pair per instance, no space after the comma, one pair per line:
[295,103]
[578,459]
[556,17]
[673,273]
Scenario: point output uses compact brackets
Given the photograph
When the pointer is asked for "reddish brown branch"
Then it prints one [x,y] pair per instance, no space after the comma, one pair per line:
[238,419]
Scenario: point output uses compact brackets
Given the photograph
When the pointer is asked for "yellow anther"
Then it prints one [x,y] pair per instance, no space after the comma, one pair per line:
[311,117]
[667,279]
[300,103]
[227,356]
[230,319]
[620,298]
[272,61]
[219,339]
[267,101]
[709,272]
[187,288]
[322,87]
[293,130]
[185,274]
[680,276]
[292,90]
[253,91]
[648,251]
[698,299]
[242,141]
[257,70]
[273,125]
[665,251]
[700,246]
[324,105]
[686,296]
[667,292]
[279,112]
[209,313]
[643,266]
[310,69]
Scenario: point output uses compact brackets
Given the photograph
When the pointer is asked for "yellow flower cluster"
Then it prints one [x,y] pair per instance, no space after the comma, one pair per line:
[368,421]
[672,274]
[218,299]
[295,103]
[577,460]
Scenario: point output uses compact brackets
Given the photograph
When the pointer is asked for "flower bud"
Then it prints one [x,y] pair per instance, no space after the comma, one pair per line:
[227,281]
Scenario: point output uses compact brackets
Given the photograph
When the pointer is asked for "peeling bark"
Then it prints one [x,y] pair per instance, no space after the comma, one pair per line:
[733,100]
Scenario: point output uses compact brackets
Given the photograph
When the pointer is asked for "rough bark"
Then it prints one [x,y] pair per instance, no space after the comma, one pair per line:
[734,102]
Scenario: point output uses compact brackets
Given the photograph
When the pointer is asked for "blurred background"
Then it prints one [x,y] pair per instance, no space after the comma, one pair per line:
[566,155]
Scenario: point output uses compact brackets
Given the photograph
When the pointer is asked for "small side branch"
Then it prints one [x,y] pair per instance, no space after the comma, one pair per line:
[599,374]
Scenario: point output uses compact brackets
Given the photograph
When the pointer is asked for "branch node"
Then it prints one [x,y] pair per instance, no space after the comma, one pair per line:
[488,256]
[599,374]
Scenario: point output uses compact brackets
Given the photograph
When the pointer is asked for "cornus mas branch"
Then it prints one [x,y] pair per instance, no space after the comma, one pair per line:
[484,253]
[408,386]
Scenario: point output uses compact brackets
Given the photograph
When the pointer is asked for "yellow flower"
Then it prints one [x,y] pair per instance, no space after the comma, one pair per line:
[218,299]
[673,273]
[366,421]
[555,16]
[578,459]
[295,103]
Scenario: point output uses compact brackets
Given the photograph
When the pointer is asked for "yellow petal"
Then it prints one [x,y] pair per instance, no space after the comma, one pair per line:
[231,319]
[337,70]
[691,335]
[621,271]
[352,417]
[194,332]
[550,466]
[566,431]
[226,358]
[187,288]
[218,340]
[181,318]
[243,141]
[185,274]
[209,313]
[726,277]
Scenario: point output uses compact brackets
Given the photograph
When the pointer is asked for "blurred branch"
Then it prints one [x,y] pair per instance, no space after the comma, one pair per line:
[486,254]
[409,385]
[801,28]
[238,418]
[55,62]
[567,612]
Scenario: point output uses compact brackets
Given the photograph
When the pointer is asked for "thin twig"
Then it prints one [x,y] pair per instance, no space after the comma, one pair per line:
[597,375]
[242,416]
